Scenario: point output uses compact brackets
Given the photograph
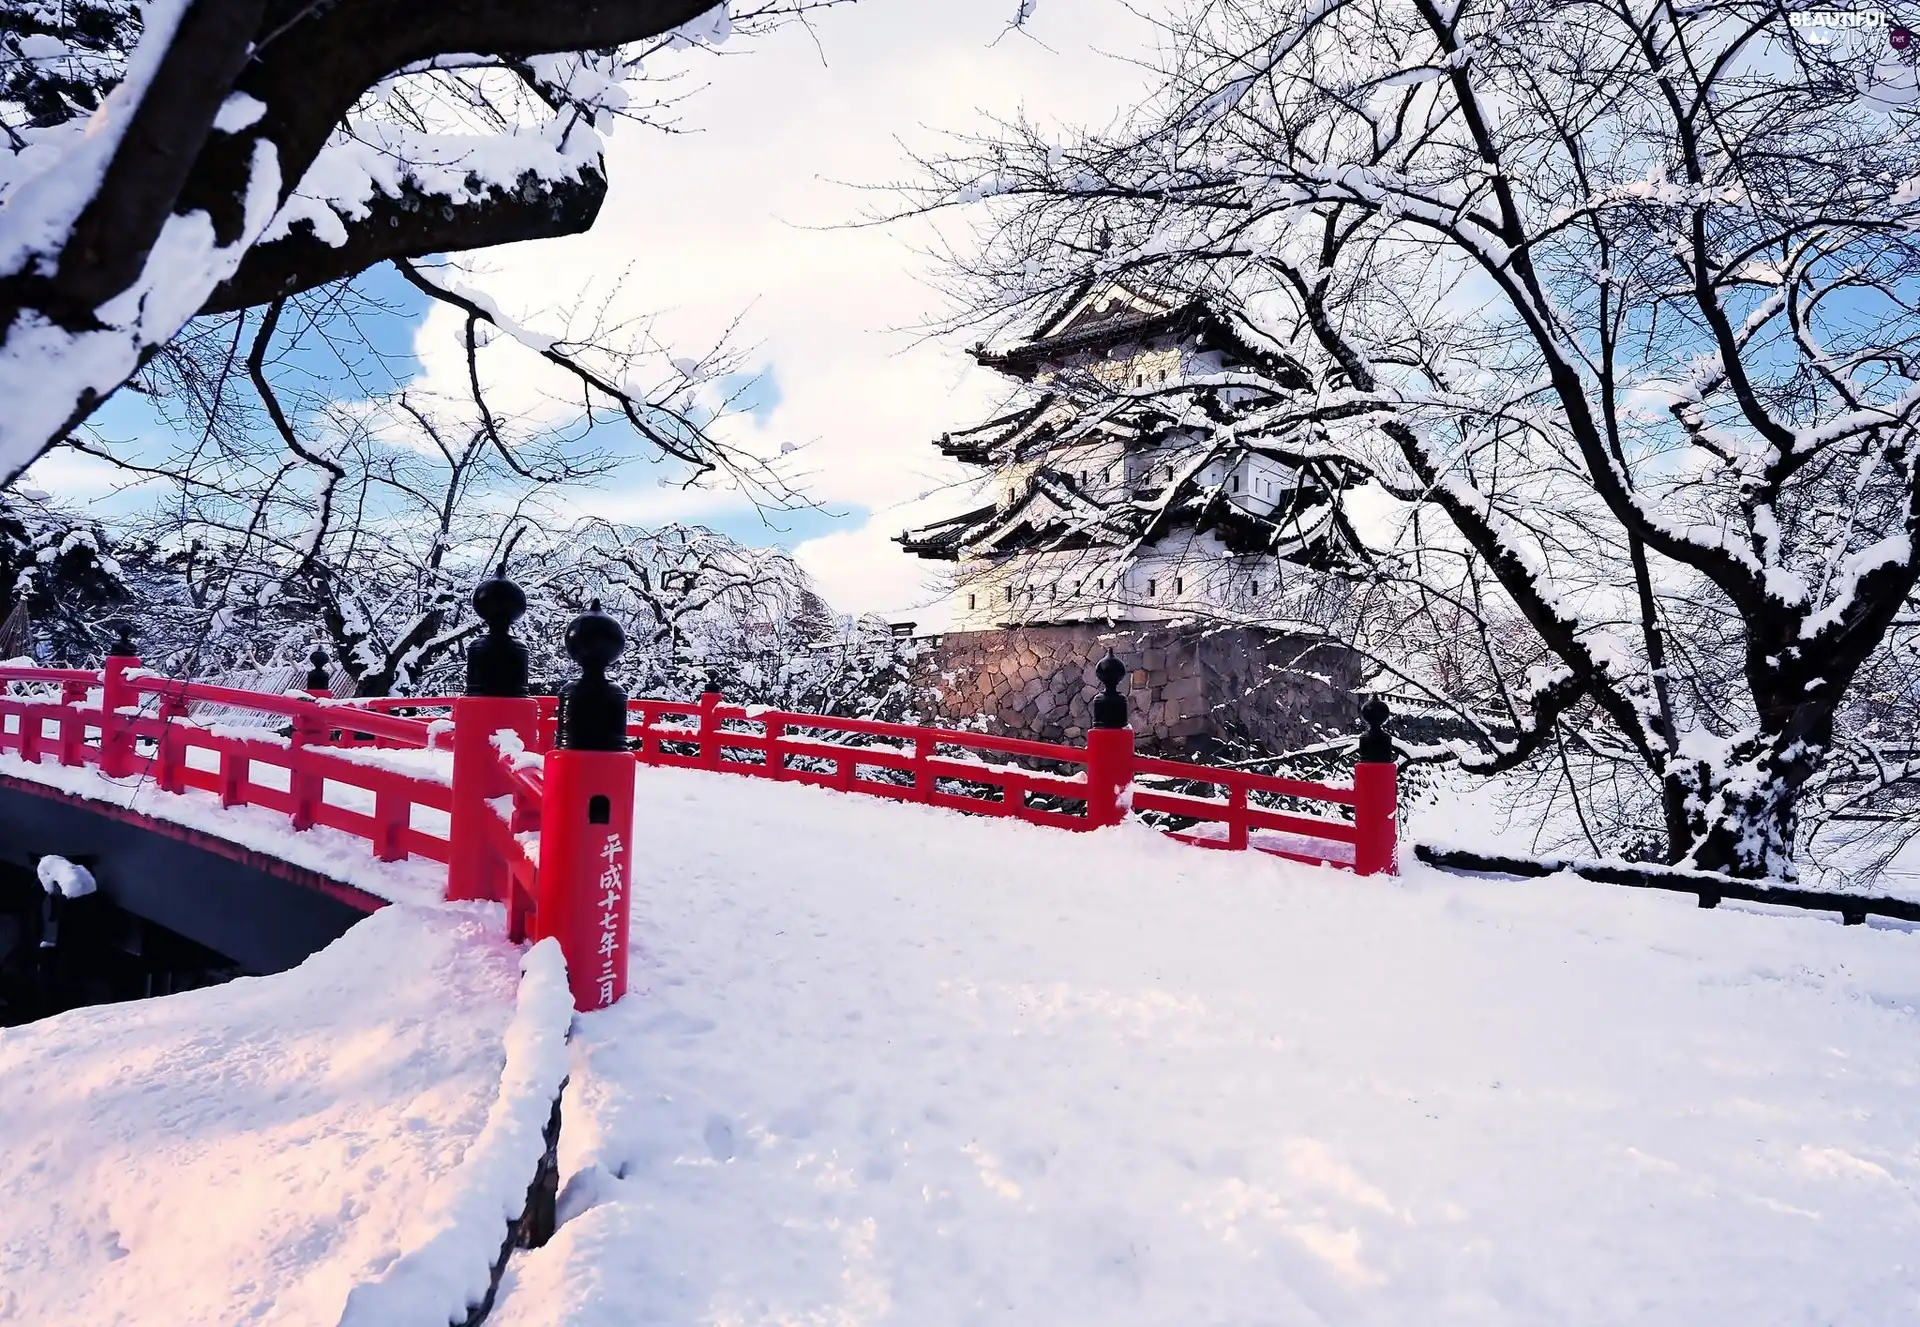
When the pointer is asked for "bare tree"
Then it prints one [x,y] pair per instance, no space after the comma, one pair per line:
[197,157]
[364,535]
[698,606]
[1615,307]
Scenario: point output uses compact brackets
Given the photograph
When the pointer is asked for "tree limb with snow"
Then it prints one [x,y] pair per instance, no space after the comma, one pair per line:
[180,157]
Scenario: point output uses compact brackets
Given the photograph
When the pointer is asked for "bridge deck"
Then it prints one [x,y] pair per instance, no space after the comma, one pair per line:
[882,1064]
[249,1152]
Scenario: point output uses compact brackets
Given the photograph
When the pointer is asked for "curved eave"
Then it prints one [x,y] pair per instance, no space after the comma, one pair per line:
[979,444]
[1210,330]
[946,540]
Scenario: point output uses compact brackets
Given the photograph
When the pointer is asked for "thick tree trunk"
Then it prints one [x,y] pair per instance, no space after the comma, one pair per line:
[1742,816]
[1751,835]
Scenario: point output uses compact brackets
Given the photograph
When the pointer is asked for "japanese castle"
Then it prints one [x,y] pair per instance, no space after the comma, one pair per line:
[1105,509]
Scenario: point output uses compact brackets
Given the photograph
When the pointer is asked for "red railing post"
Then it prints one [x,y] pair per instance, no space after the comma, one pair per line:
[1110,748]
[1376,796]
[116,694]
[169,756]
[1237,829]
[923,752]
[306,788]
[392,813]
[236,771]
[30,729]
[547,732]
[709,727]
[776,730]
[474,868]
[586,821]
[72,734]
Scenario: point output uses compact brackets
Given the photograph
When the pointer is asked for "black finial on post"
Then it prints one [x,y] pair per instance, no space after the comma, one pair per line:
[712,686]
[497,663]
[123,646]
[1110,707]
[593,711]
[318,677]
[1376,745]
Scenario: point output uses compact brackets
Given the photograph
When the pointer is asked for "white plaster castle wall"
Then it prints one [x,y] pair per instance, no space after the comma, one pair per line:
[1183,577]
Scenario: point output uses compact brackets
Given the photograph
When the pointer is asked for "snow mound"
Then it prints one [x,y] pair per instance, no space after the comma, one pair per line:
[59,876]
[450,1262]
[885,1064]
[250,1152]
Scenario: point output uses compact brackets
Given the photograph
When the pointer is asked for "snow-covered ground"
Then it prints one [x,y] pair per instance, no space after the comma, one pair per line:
[250,1152]
[885,1064]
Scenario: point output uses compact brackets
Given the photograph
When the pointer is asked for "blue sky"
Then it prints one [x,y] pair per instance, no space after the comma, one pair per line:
[376,354]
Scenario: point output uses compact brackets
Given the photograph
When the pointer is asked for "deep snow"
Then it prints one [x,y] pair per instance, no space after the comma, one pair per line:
[249,1152]
[886,1064]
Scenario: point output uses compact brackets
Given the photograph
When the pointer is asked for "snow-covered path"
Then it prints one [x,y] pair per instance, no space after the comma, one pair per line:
[249,1152]
[884,1064]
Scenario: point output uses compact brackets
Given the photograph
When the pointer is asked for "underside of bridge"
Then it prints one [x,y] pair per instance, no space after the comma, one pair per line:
[175,908]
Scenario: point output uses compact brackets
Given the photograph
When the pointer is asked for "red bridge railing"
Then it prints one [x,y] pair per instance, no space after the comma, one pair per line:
[129,723]
[1042,783]
[522,820]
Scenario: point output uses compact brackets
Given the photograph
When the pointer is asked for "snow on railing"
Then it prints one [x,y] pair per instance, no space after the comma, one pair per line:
[506,1181]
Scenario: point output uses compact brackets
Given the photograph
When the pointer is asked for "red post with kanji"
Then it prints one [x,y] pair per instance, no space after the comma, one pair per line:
[586,869]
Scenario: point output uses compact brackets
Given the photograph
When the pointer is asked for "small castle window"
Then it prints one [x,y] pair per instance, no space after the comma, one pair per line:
[1179,585]
[1236,483]
[1152,587]
[973,601]
[1256,589]
[1009,594]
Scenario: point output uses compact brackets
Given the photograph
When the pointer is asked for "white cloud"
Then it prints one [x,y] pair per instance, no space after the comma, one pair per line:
[863,569]
[735,219]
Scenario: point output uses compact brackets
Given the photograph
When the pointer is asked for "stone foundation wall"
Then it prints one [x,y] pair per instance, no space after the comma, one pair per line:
[1187,689]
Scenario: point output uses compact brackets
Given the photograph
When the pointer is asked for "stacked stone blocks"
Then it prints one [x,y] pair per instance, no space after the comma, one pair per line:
[1189,688]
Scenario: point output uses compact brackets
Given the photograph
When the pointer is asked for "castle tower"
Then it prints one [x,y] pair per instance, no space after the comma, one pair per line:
[1104,508]
[1114,522]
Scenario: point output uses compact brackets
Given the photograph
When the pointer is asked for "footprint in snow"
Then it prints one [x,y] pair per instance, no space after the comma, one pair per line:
[719,1136]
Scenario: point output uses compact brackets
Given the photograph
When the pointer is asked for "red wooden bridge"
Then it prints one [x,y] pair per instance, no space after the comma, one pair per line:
[488,785]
